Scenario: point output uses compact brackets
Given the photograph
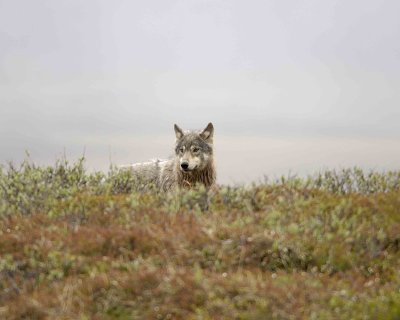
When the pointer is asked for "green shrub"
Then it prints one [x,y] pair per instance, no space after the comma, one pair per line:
[91,245]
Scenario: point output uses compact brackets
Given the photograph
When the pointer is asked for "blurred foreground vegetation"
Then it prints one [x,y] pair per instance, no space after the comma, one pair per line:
[79,245]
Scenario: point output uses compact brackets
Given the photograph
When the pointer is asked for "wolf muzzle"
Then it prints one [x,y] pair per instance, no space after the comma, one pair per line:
[185,166]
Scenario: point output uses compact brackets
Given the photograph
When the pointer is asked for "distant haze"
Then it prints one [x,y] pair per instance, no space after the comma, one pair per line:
[291,86]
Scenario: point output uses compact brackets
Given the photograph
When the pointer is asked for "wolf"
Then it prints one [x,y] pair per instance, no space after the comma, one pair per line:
[192,164]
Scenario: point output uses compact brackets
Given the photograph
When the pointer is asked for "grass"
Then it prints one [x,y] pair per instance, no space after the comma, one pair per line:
[79,245]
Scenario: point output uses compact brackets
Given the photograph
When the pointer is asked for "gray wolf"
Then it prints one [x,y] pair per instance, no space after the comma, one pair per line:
[192,164]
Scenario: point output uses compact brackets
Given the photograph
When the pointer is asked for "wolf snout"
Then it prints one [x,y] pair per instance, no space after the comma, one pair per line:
[185,166]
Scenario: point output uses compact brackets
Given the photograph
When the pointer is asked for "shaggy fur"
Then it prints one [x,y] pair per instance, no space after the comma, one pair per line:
[193,163]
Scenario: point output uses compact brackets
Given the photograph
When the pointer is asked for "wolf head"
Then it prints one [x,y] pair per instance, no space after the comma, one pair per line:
[194,150]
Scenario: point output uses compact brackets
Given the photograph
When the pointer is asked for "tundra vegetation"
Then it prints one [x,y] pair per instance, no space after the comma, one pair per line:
[91,245]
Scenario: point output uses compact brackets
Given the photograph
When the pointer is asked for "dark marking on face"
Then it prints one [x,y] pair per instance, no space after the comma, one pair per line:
[189,141]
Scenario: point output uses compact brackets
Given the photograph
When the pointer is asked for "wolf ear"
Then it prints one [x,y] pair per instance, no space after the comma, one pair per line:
[208,132]
[178,132]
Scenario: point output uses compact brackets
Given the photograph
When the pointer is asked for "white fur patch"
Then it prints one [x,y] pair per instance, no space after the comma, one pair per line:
[160,162]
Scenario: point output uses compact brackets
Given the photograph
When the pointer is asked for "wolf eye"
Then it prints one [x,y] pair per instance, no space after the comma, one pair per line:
[181,150]
[196,149]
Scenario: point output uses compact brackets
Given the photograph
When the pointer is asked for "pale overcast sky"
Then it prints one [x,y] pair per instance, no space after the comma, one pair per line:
[289,85]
